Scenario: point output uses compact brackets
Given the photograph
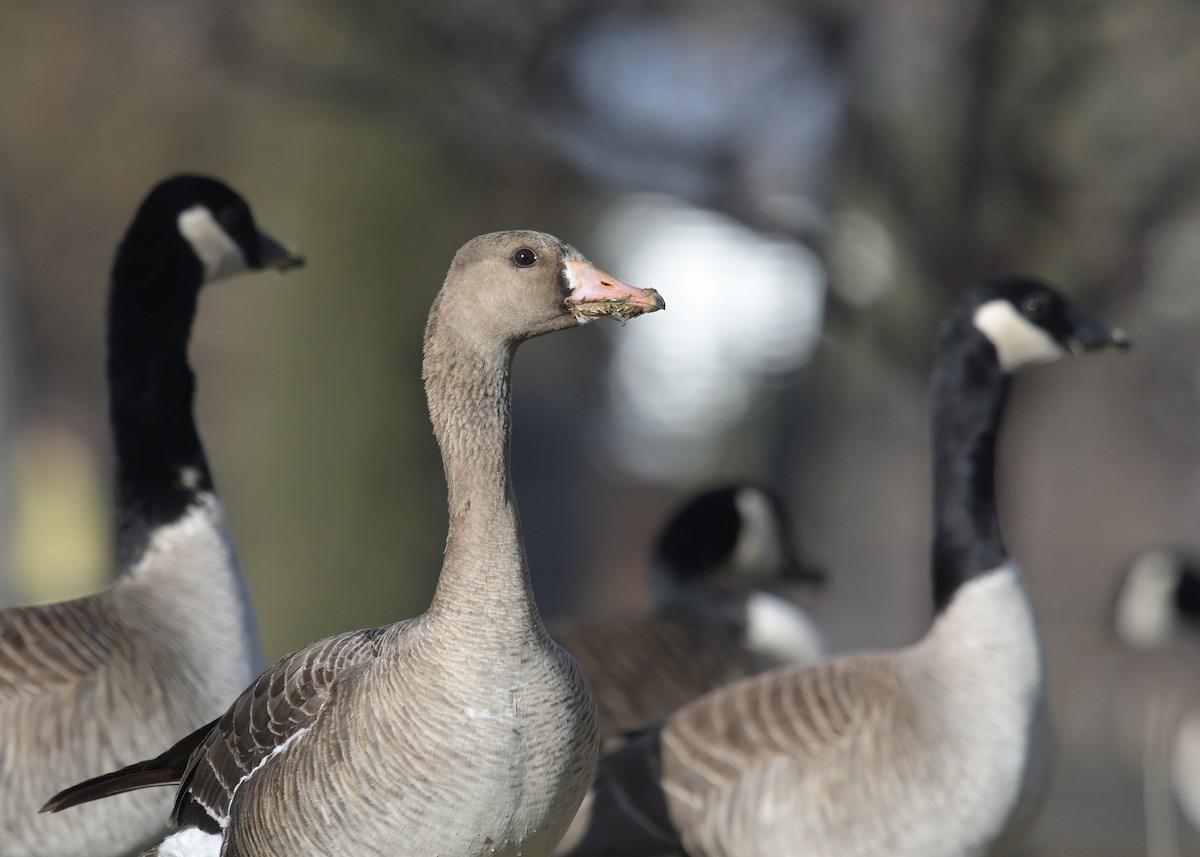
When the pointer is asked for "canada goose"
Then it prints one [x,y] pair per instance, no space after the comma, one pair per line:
[89,684]
[723,582]
[1159,597]
[466,730]
[932,750]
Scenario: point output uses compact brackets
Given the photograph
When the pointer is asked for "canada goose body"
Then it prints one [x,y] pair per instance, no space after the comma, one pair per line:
[938,749]
[466,730]
[934,736]
[96,682]
[724,577]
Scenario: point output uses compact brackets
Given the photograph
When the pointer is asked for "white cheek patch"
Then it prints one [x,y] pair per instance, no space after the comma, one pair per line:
[212,245]
[759,541]
[1018,341]
[1145,615]
[780,629]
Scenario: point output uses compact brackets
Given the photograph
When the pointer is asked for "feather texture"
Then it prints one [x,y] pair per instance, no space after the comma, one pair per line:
[940,749]
[96,683]
[466,730]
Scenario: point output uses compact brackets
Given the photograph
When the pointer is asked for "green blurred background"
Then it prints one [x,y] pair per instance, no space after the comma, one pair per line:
[837,168]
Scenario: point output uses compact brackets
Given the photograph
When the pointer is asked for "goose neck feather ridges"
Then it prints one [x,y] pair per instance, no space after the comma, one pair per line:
[484,571]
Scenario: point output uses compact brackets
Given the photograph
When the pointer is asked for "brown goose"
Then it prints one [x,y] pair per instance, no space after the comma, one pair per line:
[723,582]
[935,750]
[90,684]
[466,730]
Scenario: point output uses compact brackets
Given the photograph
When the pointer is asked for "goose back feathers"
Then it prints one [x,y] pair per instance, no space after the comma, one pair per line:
[726,584]
[90,684]
[465,730]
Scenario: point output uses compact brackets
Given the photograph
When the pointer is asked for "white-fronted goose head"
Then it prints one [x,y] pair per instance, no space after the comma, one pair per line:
[87,685]
[463,731]
[938,749]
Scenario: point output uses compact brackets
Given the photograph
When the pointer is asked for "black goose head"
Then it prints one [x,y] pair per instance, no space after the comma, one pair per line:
[734,536]
[188,231]
[1027,322]
[200,224]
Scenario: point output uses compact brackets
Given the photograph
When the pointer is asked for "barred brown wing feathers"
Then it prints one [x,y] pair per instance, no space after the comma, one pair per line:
[643,669]
[281,704]
[53,645]
[164,770]
[798,713]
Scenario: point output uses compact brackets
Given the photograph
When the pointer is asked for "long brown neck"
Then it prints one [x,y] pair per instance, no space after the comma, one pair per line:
[485,575]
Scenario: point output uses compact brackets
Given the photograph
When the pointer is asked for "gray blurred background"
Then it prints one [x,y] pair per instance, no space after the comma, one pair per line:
[807,183]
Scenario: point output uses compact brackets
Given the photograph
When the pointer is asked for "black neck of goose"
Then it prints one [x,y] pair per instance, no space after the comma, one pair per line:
[1187,593]
[969,392]
[160,464]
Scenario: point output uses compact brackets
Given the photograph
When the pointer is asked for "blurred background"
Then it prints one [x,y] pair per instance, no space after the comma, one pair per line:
[807,183]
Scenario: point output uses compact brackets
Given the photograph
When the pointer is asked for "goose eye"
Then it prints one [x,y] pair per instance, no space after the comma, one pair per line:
[524,257]
[1034,306]
[228,218]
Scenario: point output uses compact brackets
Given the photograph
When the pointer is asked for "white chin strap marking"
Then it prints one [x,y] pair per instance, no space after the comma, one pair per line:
[1018,341]
[758,546]
[212,245]
[1145,615]
[777,628]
